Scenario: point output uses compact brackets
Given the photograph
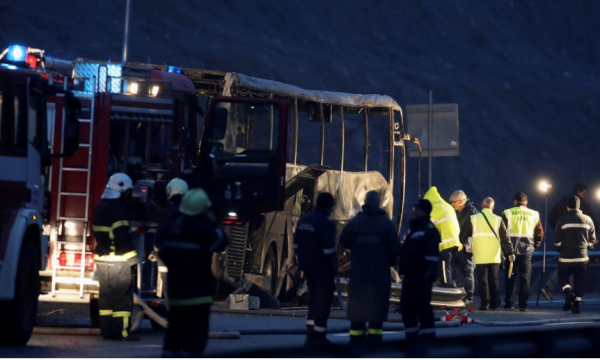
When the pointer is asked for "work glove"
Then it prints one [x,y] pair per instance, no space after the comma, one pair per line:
[153,256]
[431,273]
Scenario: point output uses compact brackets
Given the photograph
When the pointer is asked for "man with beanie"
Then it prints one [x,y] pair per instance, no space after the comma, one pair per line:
[574,233]
[314,243]
[372,238]
[418,263]
[526,233]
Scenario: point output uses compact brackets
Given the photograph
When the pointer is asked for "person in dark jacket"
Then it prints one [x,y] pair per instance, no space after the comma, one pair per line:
[574,233]
[115,258]
[464,265]
[560,209]
[418,264]
[175,190]
[187,245]
[372,239]
[314,243]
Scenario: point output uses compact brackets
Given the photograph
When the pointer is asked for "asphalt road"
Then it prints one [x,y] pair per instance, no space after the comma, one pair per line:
[151,342]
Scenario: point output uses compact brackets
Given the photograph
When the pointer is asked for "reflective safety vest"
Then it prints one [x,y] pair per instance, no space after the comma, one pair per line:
[521,222]
[486,246]
[444,218]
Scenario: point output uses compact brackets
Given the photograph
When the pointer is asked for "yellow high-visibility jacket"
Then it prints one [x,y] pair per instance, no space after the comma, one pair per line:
[443,217]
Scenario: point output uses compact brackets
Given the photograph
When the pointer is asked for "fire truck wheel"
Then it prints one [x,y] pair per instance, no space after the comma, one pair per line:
[18,315]
[95,312]
[270,272]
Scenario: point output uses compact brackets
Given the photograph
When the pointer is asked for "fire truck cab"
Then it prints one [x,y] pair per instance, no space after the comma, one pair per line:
[24,160]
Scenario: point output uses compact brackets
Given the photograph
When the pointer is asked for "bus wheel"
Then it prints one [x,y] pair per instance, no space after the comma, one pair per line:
[18,315]
[270,272]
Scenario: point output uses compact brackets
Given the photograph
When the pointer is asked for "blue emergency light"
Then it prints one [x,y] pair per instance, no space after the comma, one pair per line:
[174,69]
[17,53]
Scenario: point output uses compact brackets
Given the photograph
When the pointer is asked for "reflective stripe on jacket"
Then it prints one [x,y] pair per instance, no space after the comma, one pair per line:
[444,218]
[486,246]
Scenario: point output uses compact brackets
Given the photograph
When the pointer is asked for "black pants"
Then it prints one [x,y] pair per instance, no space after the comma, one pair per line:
[116,298]
[463,273]
[578,270]
[187,333]
[320,290]
[522,267]
[487,281]
[446,259]
[415,307]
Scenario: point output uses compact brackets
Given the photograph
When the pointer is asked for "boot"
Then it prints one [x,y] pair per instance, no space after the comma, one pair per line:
[576,305]
[374,340]
[569,298]
[132,337]
[319,339]
[309,334]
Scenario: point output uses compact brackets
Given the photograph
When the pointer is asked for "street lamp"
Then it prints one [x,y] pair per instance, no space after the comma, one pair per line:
[545,187]
[598,194]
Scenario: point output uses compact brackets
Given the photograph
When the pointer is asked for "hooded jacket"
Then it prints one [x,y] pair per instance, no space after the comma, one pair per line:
[443,216]
[573,235]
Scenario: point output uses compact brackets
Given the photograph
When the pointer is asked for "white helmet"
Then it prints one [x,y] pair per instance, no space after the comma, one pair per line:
[176,187]
[117,184]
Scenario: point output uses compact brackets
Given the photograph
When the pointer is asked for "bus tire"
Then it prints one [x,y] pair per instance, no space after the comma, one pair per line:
[18,315]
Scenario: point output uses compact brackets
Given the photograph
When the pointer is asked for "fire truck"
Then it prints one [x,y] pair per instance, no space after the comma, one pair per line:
[24,160]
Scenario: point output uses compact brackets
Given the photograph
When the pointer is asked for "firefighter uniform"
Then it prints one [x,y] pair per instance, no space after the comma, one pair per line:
[372,238]
[484,228]
[573,235]
[418,262]
[188,242]
[526,233]
[314,243]
[115,259]
[444,218]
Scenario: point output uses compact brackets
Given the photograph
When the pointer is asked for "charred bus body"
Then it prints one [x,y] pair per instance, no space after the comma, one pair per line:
[346,144]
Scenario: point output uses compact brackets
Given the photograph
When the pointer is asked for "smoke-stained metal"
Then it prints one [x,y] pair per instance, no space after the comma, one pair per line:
[322,116]
[126,32]
[366,137]
[295,155]
[343,138]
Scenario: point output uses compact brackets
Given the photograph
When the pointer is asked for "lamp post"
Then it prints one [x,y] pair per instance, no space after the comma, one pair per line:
[544,187]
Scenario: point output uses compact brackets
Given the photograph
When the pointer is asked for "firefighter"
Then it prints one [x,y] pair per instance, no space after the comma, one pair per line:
[418,263]
[371,236]
[444,218]
[525,230]
[186,247]
[574,233]
[464,266]
[116,259]
[487,248]
[314,243]
[175,190]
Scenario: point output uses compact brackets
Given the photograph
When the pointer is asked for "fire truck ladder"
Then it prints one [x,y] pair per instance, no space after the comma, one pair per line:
[81,280]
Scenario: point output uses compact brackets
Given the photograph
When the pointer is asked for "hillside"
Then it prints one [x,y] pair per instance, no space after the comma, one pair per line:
[524,73]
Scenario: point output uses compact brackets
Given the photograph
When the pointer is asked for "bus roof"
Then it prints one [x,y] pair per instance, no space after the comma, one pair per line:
[325,97]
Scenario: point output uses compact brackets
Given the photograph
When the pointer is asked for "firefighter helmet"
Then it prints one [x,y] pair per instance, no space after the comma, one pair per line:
[117,184]
[176,187]
[194,202]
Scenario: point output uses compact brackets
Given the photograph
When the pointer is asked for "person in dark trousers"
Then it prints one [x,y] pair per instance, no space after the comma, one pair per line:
[188,242]
[372,239]
[418,263]
[526,233]
[314,243]
[116,259]
[463,263]
[560,209]
[487,248]
[573,235]
[175,190]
